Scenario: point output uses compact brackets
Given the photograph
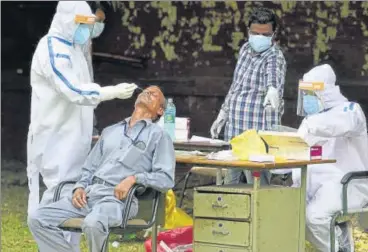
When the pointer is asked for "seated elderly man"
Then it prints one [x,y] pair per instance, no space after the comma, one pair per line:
[135,150]
[339,126]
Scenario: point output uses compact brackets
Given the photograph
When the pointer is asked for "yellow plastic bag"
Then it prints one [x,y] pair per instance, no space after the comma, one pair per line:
[174,216]
[247,143]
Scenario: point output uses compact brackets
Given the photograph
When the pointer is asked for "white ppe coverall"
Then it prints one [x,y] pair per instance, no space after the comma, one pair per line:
[60,129]
[342,132]
[62,104]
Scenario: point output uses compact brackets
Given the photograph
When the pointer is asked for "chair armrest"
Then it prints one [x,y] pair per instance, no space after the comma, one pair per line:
[60,187]
[354,175]
[141,191]
[345,182]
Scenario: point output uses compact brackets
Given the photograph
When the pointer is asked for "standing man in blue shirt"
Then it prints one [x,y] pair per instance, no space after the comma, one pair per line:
[254,100]
[136,150]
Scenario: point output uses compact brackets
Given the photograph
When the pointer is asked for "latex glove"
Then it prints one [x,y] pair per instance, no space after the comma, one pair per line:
[218,124]
[125,90]
[120,91]
[272,98]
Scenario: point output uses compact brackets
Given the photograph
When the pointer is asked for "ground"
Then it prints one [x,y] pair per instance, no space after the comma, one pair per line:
[17,238]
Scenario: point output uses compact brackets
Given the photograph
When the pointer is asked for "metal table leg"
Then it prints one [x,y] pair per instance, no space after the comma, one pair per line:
[302,205]
[219,176]
[256,185]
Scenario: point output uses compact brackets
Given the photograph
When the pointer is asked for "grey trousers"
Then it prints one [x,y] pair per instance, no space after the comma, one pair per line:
[102,211]
[47,198]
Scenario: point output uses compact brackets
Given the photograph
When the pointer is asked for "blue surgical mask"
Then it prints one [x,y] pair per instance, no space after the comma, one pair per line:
[311,104]
[260,43]
[97,29]
[82,34]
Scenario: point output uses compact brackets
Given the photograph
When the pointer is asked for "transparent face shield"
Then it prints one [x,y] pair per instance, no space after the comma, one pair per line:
[83,32]
[309,99]
[99,23]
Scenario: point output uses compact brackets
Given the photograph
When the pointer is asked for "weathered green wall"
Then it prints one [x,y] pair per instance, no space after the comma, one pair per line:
[193,32]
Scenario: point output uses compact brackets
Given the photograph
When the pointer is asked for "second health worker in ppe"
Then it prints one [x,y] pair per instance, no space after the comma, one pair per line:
[339,126]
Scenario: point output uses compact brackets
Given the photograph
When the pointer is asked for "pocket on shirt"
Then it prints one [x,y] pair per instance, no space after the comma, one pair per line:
[131,157]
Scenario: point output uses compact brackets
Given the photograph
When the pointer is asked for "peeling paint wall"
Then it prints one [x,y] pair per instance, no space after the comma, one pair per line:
[193,32]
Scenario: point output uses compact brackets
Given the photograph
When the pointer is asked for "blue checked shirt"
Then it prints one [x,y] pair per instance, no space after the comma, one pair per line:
[254,74]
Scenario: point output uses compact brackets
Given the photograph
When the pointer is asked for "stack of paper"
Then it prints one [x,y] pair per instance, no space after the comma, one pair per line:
[189,153]
[182,128]
[206,139]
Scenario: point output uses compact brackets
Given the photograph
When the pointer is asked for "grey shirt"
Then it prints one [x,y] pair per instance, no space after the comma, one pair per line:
[145,150]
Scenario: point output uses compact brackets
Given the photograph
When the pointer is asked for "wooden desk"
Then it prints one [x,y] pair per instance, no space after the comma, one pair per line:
[187,159]
[256,168]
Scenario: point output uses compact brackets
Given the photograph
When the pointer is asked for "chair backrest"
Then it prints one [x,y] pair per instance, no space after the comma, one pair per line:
[145,201]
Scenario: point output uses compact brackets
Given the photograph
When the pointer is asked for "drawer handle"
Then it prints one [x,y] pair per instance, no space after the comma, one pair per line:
[216,205]
[216,232]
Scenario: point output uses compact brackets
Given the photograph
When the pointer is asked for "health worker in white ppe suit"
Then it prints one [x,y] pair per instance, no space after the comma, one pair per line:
[63,100]
[339,126]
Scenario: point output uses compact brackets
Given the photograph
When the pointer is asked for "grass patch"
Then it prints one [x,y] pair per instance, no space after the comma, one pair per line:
[15,235]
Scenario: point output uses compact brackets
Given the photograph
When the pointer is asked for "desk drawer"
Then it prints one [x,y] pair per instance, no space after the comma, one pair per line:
[204,247]
[221,232]
[217,205]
